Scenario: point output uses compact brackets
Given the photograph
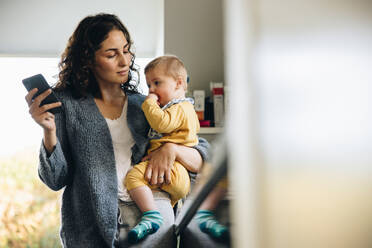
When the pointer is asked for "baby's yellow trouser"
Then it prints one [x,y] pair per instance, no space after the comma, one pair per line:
[178,188]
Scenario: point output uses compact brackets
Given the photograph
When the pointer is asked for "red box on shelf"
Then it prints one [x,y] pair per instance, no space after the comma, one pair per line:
[205,123]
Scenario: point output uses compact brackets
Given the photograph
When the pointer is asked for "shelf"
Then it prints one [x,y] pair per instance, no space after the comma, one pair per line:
[210,130]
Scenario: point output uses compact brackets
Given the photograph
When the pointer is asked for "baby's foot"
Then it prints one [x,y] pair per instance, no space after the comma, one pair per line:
[208,224]
[149,223]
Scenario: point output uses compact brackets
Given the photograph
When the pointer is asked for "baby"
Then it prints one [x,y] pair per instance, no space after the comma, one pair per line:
[172,119]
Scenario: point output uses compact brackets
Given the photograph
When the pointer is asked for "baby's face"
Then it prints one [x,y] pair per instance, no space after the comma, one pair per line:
[162,85]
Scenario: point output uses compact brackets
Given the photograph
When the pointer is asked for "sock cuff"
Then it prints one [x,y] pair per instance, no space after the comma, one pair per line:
[151,212]
[203,211]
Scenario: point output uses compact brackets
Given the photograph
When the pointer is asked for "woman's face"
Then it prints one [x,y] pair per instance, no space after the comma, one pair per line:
[113,59]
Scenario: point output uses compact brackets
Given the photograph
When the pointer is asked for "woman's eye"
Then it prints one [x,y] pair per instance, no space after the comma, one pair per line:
[156,82]
[111,56]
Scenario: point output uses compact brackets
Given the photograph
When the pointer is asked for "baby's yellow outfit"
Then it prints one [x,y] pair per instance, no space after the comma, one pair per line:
[178,124]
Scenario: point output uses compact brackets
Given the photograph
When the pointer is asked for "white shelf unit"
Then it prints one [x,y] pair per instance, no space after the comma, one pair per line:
[210,130]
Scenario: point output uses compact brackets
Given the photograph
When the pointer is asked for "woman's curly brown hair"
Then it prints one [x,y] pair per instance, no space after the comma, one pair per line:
[79,56]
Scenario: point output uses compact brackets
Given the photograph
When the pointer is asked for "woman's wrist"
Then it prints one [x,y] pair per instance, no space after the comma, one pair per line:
[172,148]
[50,140]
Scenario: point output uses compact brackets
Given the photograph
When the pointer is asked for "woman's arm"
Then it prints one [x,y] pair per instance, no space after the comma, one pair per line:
[189,157]
[161,160]
[53,167]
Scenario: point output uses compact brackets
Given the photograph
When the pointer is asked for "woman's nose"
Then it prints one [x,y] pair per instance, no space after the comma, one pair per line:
[125,59]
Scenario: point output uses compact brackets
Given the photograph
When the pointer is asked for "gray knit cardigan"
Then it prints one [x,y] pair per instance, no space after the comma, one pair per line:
[83,163]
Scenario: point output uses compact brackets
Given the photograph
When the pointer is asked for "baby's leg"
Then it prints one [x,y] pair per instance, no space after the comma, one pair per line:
[180,183]
[205,215]
[217,194]
[139,189]
[142,195]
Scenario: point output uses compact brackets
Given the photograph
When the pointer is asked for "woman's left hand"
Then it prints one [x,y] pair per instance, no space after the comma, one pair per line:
[160,164]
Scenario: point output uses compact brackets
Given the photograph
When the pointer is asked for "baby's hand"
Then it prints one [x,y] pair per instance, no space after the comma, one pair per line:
[153,96]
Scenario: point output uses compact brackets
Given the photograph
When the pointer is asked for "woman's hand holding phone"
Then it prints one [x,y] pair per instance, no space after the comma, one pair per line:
[40,113]
[42,117]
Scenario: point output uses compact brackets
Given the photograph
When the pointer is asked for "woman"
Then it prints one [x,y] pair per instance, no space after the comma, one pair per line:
[100,133]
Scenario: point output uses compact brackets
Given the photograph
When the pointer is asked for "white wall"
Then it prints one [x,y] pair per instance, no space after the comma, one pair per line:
[42,27]
[194,32]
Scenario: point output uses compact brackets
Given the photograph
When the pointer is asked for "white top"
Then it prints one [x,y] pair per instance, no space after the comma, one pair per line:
[122,141]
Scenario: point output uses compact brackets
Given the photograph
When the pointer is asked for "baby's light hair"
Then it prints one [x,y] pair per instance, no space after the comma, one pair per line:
[174,67]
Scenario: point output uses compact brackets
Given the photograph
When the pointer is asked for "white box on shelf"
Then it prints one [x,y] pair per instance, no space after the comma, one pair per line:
[199,98]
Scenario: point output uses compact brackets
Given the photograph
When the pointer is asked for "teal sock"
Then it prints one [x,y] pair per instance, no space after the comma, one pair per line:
[149,223]
[208,224]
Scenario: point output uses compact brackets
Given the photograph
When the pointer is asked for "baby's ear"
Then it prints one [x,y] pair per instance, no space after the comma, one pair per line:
[180,82]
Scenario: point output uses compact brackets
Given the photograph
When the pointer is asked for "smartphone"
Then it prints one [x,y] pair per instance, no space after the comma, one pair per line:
[39,82]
